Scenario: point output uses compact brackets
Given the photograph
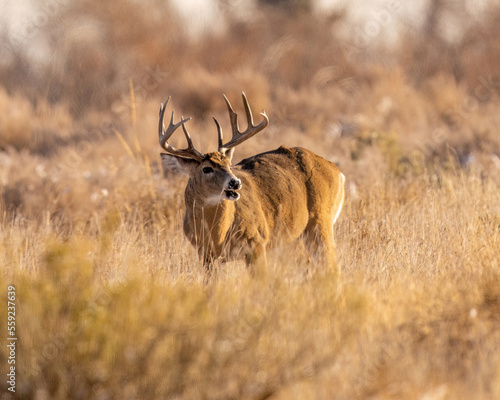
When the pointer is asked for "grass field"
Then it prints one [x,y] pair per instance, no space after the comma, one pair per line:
[111,299]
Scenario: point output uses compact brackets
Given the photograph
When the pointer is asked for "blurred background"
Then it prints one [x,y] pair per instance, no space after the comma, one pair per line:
[380,87]
[112,301]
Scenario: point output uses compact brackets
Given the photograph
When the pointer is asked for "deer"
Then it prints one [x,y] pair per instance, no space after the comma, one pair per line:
[273,198]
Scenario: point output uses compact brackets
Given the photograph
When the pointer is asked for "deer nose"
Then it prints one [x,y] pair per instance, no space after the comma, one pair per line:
[234,184]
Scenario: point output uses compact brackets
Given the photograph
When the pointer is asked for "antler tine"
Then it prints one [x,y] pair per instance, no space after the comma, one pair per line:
[161,125]
[240,137]
[190,151]
[219,136]
[233,117]
[190,147]
[248,112]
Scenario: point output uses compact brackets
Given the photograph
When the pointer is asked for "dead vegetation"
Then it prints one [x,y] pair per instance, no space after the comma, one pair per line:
[112,300]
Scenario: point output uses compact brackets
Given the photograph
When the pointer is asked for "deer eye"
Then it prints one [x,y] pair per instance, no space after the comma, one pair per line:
[208,170]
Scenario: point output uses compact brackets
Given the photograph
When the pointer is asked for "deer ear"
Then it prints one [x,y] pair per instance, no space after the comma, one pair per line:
[177,165]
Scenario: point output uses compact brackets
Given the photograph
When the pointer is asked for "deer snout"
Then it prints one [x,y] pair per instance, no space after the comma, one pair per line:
[234,184]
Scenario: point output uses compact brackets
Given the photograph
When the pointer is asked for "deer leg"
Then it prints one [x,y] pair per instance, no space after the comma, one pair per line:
[256,260]
[207,258]
[320,244]
[208,262]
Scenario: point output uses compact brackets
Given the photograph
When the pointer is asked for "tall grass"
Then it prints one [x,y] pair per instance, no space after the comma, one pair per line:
[122,309]
[112,301]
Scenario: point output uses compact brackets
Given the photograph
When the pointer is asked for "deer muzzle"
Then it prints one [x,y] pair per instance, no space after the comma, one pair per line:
[231,191]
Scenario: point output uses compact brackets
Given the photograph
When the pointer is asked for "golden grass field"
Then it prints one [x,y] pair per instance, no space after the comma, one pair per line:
[111,299]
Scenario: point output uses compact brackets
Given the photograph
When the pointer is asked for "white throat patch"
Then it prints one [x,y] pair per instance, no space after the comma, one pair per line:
[214,199]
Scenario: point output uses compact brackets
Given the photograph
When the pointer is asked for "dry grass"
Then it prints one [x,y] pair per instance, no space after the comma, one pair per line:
[112,300]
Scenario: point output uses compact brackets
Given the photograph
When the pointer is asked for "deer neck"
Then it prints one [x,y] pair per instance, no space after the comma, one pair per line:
[208,219]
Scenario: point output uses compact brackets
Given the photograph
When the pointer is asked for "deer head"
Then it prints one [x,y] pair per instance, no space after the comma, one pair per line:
[210,174]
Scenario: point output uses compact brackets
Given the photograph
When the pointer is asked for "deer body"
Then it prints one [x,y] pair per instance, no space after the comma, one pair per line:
[269,199]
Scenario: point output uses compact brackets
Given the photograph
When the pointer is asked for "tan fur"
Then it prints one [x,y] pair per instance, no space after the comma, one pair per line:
[286,194]
[269,199]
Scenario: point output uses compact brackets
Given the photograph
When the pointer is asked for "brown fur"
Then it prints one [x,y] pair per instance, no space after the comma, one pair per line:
[286,194]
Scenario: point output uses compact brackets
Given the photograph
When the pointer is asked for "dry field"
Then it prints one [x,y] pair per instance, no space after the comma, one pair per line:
[111,300]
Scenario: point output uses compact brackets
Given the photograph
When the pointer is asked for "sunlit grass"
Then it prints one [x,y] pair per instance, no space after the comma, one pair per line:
[122,308]
[112,301]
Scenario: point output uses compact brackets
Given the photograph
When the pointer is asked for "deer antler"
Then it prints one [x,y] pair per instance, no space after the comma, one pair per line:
[190,151]
[240,137]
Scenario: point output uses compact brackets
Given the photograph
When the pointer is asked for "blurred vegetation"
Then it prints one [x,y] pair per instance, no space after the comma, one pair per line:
[112,301]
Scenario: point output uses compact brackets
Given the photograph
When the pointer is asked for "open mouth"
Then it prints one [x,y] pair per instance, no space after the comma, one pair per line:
[231,194]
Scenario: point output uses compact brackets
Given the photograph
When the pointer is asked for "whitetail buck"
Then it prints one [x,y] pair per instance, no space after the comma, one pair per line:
[268,199]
